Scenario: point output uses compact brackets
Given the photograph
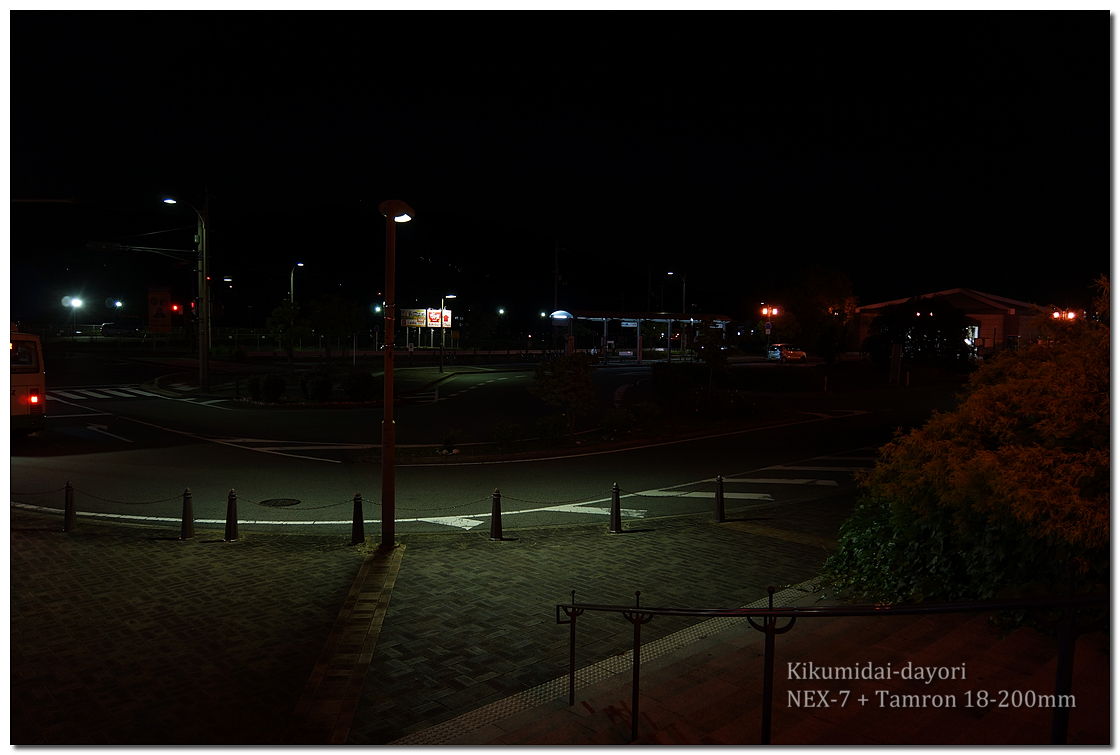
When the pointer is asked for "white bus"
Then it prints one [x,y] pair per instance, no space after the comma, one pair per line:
[29,382]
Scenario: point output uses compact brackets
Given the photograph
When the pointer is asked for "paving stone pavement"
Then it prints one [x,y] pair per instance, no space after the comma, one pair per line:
[126,635]
[473,621]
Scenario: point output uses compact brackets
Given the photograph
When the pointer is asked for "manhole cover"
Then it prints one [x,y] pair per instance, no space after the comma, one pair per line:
[280,502]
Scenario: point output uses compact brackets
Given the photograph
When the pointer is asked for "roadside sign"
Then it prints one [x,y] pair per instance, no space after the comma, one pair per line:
[629,323]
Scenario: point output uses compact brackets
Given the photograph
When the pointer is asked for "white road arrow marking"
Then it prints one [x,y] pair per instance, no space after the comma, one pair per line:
[453,521]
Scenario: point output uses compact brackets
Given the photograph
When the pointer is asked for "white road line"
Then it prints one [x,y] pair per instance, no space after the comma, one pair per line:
[780,481]
[122,394]
[815,469]
[146,393]
[704,494]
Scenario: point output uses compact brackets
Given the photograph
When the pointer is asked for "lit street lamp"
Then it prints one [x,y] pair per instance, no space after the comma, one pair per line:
[75,303]
[292,283]
[395,211]
[768,312]
[203,298]
[441,326]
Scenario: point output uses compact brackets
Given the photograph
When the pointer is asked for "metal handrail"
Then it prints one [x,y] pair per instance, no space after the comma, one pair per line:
[639,615]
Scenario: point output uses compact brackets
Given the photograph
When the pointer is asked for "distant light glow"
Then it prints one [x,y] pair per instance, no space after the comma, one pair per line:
[118,303]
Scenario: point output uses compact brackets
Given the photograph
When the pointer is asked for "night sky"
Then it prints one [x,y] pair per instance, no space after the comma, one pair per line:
[912,151]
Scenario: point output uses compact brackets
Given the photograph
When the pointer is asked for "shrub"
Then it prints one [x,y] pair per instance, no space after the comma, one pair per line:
[361,386]
[320,388]
[1008,494]
[272,388]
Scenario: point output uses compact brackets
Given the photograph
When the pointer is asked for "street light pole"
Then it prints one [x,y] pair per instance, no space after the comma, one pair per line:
[395,211]
[292,283]
[203,297]
[441,306]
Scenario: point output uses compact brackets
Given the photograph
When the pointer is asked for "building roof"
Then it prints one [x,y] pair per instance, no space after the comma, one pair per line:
[967,300]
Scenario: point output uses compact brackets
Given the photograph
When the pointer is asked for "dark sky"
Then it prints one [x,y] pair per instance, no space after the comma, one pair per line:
[913,151]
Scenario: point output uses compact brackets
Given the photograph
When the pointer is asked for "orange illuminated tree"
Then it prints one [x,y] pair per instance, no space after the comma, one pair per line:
[1006,495]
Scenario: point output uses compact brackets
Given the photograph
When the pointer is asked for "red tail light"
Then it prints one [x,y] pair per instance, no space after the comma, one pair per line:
[35,400]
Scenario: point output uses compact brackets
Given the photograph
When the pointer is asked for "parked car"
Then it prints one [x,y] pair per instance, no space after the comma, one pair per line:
[785,352]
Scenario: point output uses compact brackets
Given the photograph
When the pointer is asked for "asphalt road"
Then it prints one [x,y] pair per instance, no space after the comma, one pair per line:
[131,454]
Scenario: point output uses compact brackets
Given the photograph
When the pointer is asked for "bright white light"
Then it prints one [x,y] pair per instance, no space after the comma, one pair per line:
[501,310]
[561,315]
[118,304]
[403,218]
[299,264]
[76,302]
[169,200]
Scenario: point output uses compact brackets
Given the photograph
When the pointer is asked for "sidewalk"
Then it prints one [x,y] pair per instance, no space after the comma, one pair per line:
[126,635]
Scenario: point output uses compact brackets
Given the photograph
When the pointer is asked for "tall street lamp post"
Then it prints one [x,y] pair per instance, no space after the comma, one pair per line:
[395,211]
[441,326]
[292,283]
[769,313]
[203,297]
[684,310]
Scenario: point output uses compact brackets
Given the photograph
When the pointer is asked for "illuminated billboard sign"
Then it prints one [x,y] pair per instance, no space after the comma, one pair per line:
[425,318]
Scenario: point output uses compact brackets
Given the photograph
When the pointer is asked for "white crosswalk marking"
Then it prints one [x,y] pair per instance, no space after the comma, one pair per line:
[115,392]
[120,392]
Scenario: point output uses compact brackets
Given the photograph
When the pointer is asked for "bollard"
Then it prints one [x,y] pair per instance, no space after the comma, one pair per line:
[357,531]
[496,515]
[616,511]
[186,530]
[721,515]
[69,515]
[231,517]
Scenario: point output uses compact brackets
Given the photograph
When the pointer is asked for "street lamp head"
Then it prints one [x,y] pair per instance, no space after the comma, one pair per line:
[169,200]
[396,209]
[450,296]
[299,264]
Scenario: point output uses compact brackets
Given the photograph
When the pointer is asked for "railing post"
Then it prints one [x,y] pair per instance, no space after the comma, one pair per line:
[496,515]
[357,530]
[69,516]
[1063,682]
[186,529]
[616,510]
[769,628]
[636,618]
[721,515]
[231,516]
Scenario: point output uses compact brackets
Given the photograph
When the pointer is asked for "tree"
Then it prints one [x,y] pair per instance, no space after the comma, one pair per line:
[286,323]
[1007,494]
[335,318]
[820,310]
